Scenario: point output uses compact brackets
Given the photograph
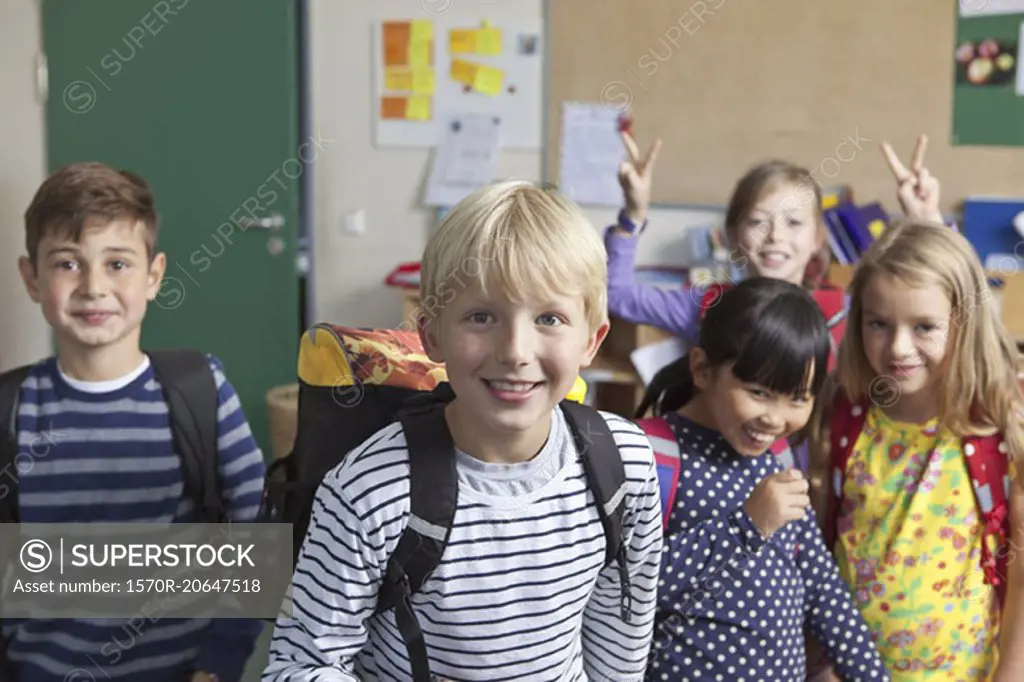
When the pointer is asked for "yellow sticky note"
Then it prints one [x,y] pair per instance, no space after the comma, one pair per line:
[488,41]
[398,78]
[488,80]
[422,29]
[876,228]
[420,53]
[463,72]
[828,201]
[417,108]
[461,41]
[423,81]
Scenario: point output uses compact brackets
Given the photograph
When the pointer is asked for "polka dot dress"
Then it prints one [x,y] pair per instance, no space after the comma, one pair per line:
[734,607]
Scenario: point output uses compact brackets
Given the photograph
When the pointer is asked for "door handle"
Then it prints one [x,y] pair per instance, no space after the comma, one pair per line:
[274,221]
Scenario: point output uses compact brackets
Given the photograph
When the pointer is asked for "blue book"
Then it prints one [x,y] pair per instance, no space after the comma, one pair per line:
[840,235]
[988,225]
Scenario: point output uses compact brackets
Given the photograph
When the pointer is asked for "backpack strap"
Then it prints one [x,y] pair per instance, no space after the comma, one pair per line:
[832,302]
[10,388]
[988,468]
[845,425]
[191,392]
[433,499]
[606,475]
[711,296]
[666,461]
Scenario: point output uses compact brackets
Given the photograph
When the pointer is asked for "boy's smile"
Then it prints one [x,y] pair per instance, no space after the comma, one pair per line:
[509,364]
[94,292]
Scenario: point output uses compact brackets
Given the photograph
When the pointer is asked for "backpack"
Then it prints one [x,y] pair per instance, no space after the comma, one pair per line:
[831,301]
[986,465]
[668,463]
[191,392]
[353,382]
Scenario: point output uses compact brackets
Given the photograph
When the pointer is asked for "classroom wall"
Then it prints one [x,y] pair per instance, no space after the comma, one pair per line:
[352,175]
[388,183]
[385,183]
[23,333]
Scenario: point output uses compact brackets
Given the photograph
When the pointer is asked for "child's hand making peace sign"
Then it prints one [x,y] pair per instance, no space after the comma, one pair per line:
[635,177]
[917,189]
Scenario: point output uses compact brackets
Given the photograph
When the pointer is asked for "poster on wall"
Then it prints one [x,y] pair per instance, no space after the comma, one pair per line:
[981,8]
[426,71]
[988,83]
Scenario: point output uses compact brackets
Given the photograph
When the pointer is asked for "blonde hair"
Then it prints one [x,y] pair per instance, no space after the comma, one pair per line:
[521,240]
[979,391]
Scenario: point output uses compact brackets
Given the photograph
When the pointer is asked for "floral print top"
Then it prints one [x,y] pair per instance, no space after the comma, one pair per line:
[909,544]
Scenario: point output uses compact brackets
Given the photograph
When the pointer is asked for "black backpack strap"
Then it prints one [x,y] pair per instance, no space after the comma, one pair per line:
[191,391]
[606,475]
[433,498]
[10,387]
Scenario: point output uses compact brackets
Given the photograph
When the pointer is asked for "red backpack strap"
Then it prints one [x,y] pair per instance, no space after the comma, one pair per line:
[988,467]
[832,302]
[666,461]
[845,426]
[711,296]
[783,452]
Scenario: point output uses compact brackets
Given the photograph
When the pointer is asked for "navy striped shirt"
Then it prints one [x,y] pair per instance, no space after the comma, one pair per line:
[103,452]
[522,591]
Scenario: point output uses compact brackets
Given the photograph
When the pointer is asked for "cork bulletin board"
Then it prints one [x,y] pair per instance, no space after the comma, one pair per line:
[729,83]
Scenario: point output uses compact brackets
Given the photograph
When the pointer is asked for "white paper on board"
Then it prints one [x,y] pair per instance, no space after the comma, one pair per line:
[466,158]
[591,153]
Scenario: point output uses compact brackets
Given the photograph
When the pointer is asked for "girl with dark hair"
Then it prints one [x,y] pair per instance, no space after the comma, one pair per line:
[745,568]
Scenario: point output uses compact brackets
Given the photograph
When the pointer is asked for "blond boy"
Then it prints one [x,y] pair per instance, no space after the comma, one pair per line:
[514,291]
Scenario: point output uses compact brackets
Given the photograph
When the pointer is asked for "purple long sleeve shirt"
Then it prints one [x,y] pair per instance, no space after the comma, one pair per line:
[677,311]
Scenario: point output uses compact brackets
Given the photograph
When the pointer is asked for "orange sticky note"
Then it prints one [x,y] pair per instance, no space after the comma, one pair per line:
[461,41]
[421,53]
[396,42]
[488,41]
[422,29]
[488,80]
[392,108]
[398,78]
[463,72]
[417,108]
[423,81]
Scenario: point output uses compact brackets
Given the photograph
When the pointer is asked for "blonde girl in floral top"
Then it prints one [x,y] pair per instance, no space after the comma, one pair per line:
[913,465]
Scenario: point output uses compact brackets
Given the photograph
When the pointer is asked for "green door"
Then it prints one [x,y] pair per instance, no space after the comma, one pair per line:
[202,99]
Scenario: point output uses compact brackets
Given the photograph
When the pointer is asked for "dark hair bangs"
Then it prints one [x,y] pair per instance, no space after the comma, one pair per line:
[782,347]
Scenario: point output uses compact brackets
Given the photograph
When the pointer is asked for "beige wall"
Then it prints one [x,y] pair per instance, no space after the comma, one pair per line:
[23,334]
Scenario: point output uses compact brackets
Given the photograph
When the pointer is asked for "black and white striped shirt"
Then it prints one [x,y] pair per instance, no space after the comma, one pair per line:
[521,593]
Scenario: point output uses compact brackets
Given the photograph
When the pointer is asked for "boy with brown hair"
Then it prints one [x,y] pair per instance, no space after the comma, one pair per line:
[115,448]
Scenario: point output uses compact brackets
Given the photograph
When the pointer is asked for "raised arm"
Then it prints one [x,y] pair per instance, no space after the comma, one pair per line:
[676,311]
[916,188]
